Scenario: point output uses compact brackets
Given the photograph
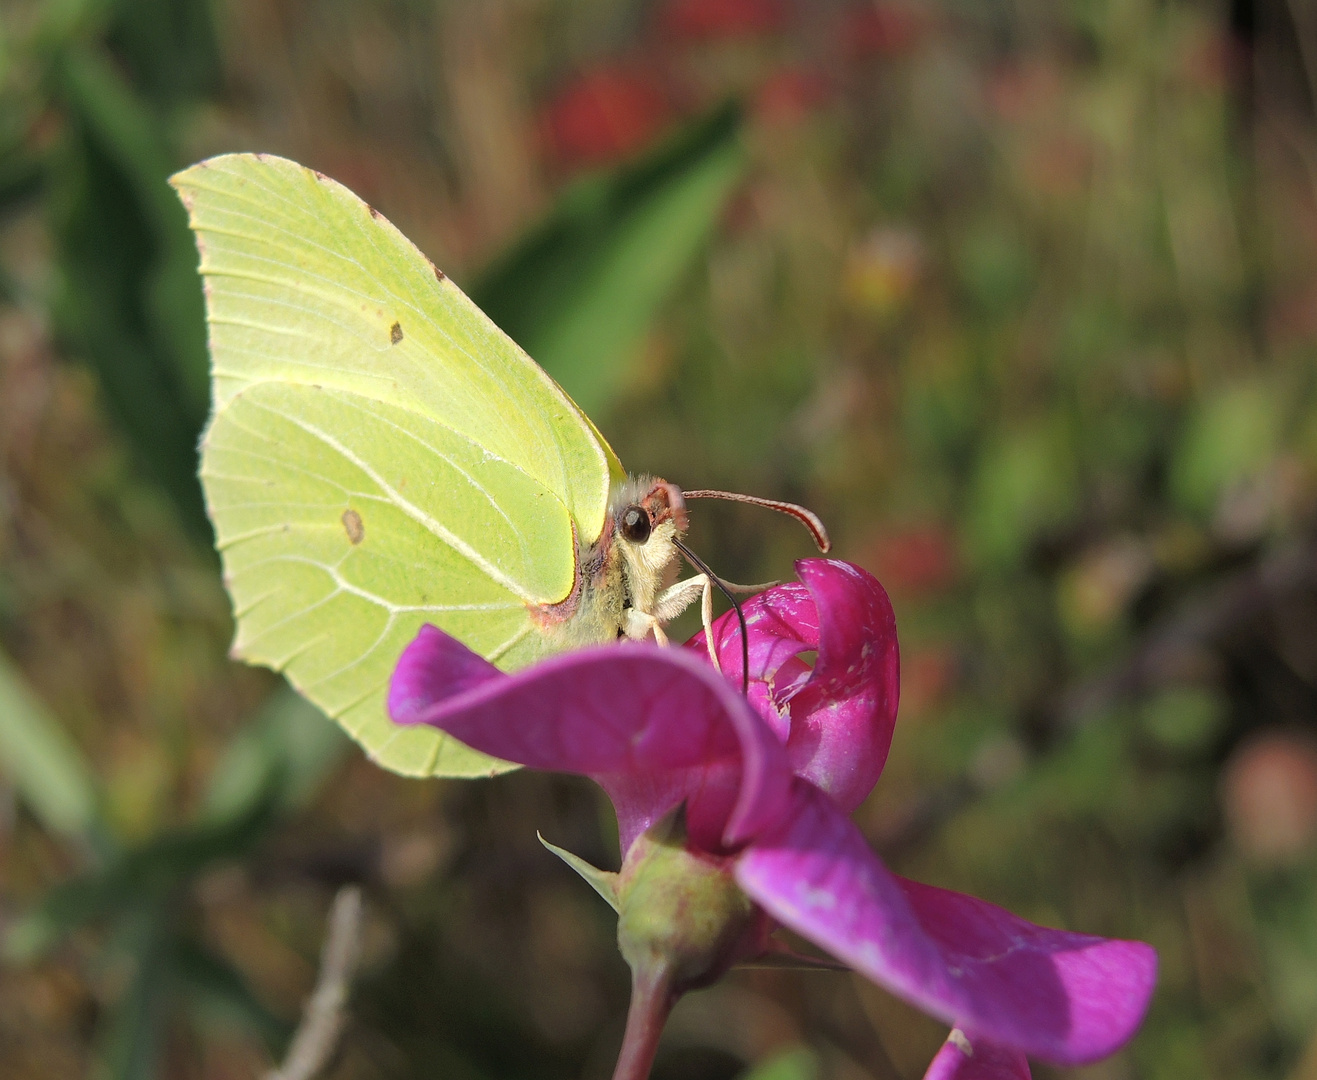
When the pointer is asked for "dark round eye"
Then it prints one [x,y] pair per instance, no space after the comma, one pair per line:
[635,524]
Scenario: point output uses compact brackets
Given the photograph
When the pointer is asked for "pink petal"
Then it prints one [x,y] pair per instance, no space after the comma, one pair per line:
[842,714]
[655,726]
[433,667]
[709,790]
[782,621]
[1067,998]
[962,1058]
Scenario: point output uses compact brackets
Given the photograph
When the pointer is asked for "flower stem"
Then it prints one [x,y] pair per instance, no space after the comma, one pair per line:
[651,1001]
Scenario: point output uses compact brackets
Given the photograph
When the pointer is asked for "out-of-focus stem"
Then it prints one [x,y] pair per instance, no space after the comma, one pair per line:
[317,1036]
[651,1001]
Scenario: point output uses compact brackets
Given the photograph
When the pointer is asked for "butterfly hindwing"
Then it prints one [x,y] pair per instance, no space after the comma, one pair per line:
[380,455]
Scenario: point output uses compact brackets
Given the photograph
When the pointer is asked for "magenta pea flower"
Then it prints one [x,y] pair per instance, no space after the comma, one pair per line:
[733,814]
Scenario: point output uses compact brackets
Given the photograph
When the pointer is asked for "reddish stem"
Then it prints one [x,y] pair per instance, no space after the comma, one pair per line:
[651,1001]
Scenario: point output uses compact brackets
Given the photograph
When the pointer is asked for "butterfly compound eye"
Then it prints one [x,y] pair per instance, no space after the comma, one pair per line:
[635,524]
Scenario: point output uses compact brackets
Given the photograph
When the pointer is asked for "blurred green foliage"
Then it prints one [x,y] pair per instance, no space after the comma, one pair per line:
[1019,298]
[42,761]
[113,77]
[580,290]
[795,1064]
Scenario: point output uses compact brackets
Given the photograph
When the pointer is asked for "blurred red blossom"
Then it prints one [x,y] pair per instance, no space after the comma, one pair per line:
[1212,62]
[884,30]
[791,94]
[927,675]
[1270,793]
[711,20]
[1058,165]
[917,560]
[1016,91]
[604,114]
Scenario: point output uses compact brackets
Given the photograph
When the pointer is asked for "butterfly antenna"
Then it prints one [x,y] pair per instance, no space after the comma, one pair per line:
[703,568]
[807,518]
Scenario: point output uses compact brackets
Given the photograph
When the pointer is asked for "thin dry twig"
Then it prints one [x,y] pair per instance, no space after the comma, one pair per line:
[318,1034]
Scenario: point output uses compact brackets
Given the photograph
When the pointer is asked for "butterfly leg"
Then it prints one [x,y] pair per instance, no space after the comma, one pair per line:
[706,617]
[677,598]
[732,586]
[673,601]
[640,624]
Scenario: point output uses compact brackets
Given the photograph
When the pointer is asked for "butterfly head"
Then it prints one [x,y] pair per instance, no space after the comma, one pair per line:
[648,515]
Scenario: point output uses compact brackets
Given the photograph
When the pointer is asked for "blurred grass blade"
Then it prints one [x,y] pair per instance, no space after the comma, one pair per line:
[129,300]
[222,992]
[130,1036]
[40,759]
[289,738]
[139,877]
[579,292]
[169,47]
[20,169]
[128,132]
[63,21]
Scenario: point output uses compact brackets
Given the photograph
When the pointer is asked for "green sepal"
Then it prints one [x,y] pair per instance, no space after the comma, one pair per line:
[604,882]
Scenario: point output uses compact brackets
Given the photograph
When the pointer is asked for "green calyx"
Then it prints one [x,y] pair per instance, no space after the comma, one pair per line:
[681,922]
[680,912]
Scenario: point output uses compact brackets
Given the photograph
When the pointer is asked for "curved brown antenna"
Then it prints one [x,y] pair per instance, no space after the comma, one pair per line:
[806,517]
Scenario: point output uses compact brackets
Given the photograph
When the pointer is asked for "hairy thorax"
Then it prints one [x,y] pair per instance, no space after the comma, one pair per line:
[620,577]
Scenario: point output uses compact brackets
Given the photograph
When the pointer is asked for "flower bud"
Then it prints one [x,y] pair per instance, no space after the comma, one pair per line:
[680,911]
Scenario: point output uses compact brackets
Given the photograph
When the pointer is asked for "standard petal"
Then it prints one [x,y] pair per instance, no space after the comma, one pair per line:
[962,1058]
[433,667]
[842,718]
[1067,998]
[838,719]
[654,724]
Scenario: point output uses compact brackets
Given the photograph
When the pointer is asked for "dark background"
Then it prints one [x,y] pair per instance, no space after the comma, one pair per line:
[1019,295]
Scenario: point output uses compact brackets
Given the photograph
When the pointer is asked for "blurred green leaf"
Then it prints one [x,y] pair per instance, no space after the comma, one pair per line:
[129,300]
[995,267]
[1024,484]
[797,1063]
[1173,1048]
[1284,903]
[1184,718]
[579,292]
[1229,436]
[139,877]
[130,1038]
[64,21]
[1078,780]
[40,759]
[222,992]
[169,47]
[291,740]
[20,172]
